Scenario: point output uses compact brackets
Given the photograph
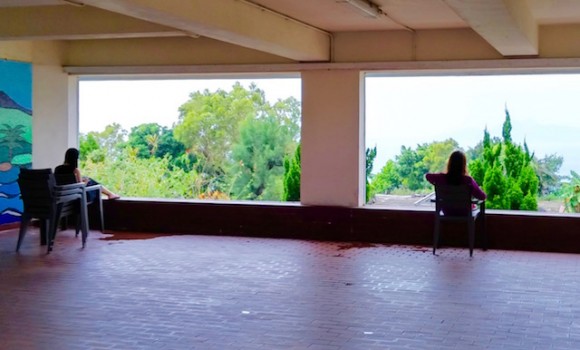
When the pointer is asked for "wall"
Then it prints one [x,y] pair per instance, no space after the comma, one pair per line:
[53,131]
[331,101]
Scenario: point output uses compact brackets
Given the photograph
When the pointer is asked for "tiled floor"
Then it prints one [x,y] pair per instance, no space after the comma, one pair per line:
[201,292]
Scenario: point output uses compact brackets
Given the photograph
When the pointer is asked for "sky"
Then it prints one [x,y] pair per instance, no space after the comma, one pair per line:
[134,102]
[544,109]
[16,81]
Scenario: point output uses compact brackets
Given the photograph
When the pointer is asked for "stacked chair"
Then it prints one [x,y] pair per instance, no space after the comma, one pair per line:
[48,202]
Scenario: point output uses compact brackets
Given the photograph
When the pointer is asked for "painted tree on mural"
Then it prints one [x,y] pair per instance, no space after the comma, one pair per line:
[11,137]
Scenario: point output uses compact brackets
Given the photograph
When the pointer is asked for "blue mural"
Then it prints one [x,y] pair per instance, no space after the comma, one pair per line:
[15,134]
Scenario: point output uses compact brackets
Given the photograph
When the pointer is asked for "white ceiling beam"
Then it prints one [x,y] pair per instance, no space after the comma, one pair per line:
[234,21]
[507,25]
[71,23]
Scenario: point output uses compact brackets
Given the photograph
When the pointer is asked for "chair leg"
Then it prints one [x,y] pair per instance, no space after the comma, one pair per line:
[483,233]
[52,227]
[84,219]
[25,220]
[100,200]
[436,235]
[77,225]
[471,232]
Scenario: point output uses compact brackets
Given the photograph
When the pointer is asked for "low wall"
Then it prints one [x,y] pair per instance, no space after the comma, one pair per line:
[506,230]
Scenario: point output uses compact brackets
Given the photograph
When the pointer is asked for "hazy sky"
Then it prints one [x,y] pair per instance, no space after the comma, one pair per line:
[134,102]
[545,109]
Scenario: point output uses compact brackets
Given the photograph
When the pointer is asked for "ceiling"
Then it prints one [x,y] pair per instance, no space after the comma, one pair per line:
[301,30]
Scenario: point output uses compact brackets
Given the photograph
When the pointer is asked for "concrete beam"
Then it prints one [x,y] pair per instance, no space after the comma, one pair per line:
[233,21]
[507,25]
[70,23]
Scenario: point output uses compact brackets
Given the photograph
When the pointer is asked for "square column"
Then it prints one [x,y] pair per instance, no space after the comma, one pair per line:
[333,154]
[54,115]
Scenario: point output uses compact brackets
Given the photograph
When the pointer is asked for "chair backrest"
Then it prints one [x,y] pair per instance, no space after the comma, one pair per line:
[36,191]
[454,200]
[65,179]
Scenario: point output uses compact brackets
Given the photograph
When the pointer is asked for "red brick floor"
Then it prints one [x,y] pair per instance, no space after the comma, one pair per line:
[202,292]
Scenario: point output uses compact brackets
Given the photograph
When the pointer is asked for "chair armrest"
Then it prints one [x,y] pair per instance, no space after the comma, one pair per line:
[70,189]
[93,188]
[74,186]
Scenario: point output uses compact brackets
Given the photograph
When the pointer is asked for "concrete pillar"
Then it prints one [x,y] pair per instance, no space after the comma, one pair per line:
[54,122]
[333,171]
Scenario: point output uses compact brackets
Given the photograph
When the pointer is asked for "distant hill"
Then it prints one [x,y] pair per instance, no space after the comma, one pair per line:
[7,102]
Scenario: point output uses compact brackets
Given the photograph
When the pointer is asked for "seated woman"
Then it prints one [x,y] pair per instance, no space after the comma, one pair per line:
[70,166]
[456,175]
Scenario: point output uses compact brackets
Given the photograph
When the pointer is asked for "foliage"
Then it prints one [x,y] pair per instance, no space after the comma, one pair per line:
[571,193]
[215,195]
[505,171]
[435,154]
[411,168]
[222,130]
[87,145]
[143,177]
[108,143]
[387,180]
[292,171]
[507,128]
[547,169]
[371,154]
[225,145]
[209,126]
[144,139]
[258,159]
[153,140]
[407,171]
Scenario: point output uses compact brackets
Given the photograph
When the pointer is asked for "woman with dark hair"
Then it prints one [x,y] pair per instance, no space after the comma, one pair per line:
[457,175]
[71,166]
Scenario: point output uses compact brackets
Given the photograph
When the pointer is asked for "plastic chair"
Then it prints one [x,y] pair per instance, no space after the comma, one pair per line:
[454,203]
[44,200]
[93,194]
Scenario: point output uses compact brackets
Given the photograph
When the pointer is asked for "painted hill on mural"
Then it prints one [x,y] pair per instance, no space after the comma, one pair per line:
[15,152]
[7,102]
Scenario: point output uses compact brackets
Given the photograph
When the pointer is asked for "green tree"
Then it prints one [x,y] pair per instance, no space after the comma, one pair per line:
[370,155]
[154,140]
[292,170]
[209,125]
[88,144]
[143,177]
[109,143]
[140,139]
[507,127]
[505,172]
[571,193]
[258,159]
[547,169]
[436,153]
[411,168]
[387,179]
[169,146]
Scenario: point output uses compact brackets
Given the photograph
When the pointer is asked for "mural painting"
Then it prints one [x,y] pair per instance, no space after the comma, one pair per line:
[15,134]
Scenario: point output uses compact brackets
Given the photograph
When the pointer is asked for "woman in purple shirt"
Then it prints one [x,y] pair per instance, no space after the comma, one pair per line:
[457,175]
